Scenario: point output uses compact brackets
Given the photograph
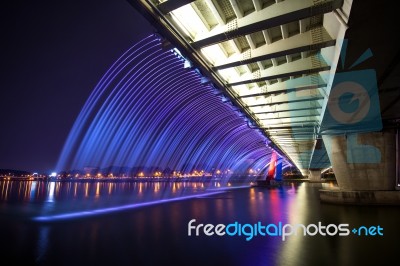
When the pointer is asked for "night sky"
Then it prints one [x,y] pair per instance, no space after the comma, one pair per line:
[53,54]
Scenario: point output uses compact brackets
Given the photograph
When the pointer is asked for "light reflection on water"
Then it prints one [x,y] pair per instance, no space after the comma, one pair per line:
[40,191]
[158,235]
[75,196]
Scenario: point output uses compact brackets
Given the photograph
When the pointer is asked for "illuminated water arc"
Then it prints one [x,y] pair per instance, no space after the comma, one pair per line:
[149,142]
[82,119]
[127,115]
[190,139]
[133,118]
[110,74]
[214,132]
[188,154]
[151,111]
[124,104]
[183,123]
[113,113]
[156,123]
[100,122]
[100,125]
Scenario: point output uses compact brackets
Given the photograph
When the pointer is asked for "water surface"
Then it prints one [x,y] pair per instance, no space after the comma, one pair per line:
[157,234]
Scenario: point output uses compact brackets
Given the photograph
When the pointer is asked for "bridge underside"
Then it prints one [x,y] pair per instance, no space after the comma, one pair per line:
[271,59]
[277,62]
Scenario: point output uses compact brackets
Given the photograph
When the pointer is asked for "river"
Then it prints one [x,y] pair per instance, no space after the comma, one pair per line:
[146,223]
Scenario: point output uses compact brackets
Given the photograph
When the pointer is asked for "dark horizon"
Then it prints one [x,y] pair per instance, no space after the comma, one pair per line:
[55,55]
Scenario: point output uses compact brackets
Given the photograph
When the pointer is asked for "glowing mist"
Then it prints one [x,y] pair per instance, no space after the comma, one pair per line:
[150,111]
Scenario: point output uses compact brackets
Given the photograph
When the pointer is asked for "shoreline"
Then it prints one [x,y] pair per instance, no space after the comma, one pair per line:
[155,179]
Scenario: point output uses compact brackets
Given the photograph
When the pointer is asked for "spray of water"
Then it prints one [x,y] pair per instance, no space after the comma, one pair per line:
[150,111]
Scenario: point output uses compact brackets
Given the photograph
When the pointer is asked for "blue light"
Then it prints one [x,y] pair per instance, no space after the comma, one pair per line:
[149,111]
[82,214]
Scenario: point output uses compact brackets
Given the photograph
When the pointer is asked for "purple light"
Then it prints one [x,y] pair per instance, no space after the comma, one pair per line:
[81,214]
[149,110]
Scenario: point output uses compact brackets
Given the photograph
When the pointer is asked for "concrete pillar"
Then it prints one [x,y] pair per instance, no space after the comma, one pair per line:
[304,172]
[314,175]
[365,161]
[365,167]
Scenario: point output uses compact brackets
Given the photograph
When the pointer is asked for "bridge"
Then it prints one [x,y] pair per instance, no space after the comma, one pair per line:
[319,78]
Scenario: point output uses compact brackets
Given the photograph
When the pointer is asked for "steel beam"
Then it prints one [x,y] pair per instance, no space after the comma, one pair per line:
[280,75]
[296,44]
[294,116]
[298,100]
[289,110]
[276,15]
[171,5]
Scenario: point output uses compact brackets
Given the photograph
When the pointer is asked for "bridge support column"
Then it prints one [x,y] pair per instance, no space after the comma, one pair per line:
[304,172]
[314,175]
[365,168]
